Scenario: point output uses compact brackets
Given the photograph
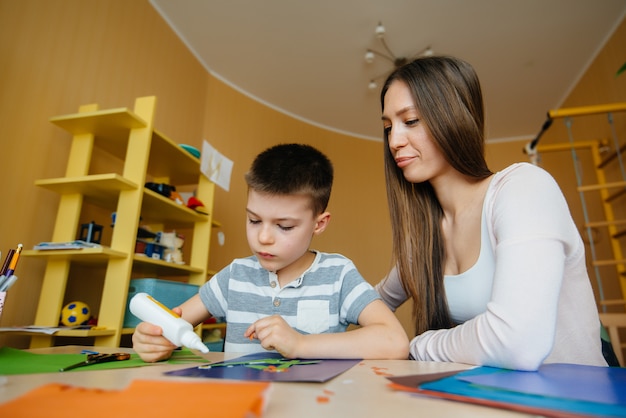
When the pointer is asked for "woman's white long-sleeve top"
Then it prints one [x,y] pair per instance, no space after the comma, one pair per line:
[528,299]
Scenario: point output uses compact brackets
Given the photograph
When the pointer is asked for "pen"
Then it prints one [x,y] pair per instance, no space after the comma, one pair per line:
[6,285]
[7,261]
[13,264]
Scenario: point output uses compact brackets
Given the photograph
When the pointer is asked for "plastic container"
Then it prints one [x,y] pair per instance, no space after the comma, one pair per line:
[175,329]
[168,292]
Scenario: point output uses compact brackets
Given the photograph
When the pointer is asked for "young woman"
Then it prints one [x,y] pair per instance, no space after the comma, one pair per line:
[493,262]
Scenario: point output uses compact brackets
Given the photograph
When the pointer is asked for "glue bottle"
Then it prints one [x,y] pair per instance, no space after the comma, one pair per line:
[175,328]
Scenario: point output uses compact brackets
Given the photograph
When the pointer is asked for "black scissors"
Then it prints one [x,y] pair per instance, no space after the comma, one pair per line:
[97,358]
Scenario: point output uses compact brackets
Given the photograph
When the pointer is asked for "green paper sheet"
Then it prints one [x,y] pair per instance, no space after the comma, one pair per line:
[14,361]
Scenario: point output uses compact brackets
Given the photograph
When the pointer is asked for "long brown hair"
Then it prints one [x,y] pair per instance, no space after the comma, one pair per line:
[447,93]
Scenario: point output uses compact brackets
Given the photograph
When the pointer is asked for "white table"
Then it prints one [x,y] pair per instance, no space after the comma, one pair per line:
[359,392]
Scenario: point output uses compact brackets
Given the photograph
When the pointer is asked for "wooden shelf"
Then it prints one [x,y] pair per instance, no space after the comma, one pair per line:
[146,155]
[69,333]
[84,333]
[169,161]
[99,189]
[152,267]
[163,209]
[217,325]
[103,190]
[83,256]
[110,127]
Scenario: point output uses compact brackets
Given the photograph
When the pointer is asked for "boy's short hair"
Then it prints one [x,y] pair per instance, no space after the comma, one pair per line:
[287,169]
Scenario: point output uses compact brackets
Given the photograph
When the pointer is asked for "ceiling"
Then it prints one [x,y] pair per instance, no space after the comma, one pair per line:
[306,58]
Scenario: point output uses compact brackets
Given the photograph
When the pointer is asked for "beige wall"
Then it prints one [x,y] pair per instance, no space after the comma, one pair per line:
[59,54]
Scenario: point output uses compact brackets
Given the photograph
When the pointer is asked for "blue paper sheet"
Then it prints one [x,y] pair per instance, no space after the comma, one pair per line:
[514,394]
[568,381]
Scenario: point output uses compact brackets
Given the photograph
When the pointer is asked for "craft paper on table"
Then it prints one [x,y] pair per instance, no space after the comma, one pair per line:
[14,361]
[569,381]
[465,387]
[415,380]
[215,166]
[142,398]
[265,367]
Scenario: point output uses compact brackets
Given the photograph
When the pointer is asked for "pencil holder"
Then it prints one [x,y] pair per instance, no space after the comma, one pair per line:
[2,296]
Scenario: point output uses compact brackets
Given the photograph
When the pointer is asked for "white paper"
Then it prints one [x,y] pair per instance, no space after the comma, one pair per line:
[215,166]
[35,329]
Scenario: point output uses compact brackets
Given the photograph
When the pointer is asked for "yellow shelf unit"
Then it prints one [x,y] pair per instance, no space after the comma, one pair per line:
[147,155]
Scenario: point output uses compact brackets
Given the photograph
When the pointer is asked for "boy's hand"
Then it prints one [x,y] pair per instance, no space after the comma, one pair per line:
[275,334]
[149,343]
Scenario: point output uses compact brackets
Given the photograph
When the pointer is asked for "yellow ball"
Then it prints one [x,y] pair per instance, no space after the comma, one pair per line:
[75,313]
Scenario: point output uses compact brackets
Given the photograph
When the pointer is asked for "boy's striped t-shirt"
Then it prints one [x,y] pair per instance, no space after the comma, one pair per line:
[328,297]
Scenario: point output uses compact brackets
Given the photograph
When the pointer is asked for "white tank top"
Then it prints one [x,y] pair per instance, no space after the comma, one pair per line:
[469,292]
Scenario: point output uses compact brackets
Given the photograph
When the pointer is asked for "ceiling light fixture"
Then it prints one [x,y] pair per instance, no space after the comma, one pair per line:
[370,55]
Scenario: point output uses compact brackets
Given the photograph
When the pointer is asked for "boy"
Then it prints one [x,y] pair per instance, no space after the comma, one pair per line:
[286,297]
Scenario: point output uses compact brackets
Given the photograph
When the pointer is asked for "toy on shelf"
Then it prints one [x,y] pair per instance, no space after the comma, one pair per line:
[75,313]
[197,205]
[166,190]
[161,188]
[91,232]
[148,244]
[166,246]
[173,244]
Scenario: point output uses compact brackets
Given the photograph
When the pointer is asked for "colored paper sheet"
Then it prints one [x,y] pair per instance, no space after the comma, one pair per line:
[14,361]
[415,380]
[142,399]
[569,381]
[319,371]
[459,388]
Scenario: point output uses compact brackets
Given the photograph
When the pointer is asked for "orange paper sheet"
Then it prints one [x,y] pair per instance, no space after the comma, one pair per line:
[142,398]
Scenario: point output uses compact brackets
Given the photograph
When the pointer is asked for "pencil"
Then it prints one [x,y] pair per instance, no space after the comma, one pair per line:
[13,264]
